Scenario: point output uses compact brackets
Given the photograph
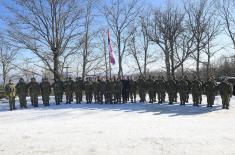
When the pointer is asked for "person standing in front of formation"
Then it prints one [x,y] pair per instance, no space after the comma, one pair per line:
[226,91]
[210,91]
[196,87]
[46,91]
[10,89]
[21,91]
[34,91]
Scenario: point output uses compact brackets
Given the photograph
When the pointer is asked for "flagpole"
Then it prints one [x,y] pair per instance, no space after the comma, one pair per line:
[110,68]
[105,54]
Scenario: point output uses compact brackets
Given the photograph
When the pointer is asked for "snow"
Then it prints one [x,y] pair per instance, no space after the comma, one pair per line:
[138,129]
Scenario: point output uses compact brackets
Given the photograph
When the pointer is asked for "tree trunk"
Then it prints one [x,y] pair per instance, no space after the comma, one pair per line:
[182,69]
[145,62]
[56,67]
[198,60]
[168,67]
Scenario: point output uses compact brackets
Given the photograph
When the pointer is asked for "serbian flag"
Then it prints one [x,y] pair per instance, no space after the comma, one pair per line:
[111,53]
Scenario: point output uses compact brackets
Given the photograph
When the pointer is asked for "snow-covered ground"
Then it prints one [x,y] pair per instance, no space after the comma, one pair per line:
[128,129]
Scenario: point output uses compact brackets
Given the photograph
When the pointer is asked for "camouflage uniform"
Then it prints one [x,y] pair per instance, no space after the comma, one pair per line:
[102,87]
[189,87]
[142,89]
[160,89]
[151,88]
[88,90]
[34,91]
[125,90]
[226,91]
[196,87]
[21,91]
[58,90]
[96,90]
[183,91]
[46,91]
[108,92]
[11,94]
[78,88]
[133,90]
[68,89]
[171,89]
[117,91]
[176,89]
[210,90]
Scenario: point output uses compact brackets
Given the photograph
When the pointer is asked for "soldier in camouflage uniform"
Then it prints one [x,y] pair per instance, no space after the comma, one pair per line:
[78,88]
[46,91]
[142,88]
[11,94]
[108,91]
[183,90]
[150,87]
[196,87]
[34,91]
[102,87]
[160,89]
[72,83]
[58,90]
[96,90]
[117,88]
[88,90]
[210,90]
[226,91]
[202,91]
[133,90]
[171,89]
[68,89]
[21,91]
[189,87]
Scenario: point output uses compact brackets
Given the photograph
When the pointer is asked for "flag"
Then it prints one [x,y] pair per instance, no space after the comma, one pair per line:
[111,53]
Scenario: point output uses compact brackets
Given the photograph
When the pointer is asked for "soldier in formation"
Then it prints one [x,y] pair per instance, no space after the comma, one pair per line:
[210,90]
[58,91]
[68,89]
[45,91]
[160,89]
[197,89]
[226,91]
[21,91]
[11,94]
[116,91]
[171,87]
[78,89]
[183,91]
[141,87]
[34,91]
[132,90]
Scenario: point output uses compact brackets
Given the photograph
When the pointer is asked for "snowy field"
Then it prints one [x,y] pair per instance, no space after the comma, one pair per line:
[128,129]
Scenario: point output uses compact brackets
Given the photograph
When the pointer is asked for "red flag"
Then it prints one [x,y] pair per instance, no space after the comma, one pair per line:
[111,53]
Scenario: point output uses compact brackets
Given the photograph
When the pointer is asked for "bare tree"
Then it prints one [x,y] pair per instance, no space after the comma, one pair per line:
[226,8]
[138,46]
[198,20]
[48,28]
[119,15]
[7,57]
[164,28]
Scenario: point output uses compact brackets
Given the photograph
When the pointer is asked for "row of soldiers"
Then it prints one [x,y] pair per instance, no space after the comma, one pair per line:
[116,90]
